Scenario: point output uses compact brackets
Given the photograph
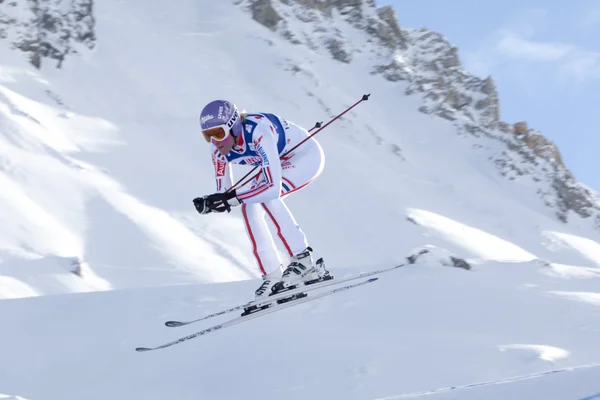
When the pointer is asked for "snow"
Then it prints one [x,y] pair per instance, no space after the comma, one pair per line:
[588,248]
[543,385]
[477,242]
[438,327]
[586,297]
[572,271]
[100,161]
[546,353]
[48,275]
[8,397]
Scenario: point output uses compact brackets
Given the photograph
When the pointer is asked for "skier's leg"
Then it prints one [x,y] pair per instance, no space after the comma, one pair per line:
[263,246]
[291,235]
[299,170]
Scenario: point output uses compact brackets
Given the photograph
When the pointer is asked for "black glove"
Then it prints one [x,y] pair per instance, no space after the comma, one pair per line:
[217,202]
[220,202]
[201,206]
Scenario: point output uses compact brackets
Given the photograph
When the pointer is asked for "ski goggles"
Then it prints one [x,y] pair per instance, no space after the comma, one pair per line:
[221,132]
[217,133]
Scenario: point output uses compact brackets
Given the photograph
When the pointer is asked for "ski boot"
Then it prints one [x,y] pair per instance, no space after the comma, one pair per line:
[302,270]
[264,290]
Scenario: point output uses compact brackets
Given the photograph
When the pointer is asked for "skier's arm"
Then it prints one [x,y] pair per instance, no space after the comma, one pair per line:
[223,176]
[265,143]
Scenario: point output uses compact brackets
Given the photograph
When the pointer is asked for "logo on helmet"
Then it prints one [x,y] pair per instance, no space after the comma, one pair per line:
[207,117]
[234,118]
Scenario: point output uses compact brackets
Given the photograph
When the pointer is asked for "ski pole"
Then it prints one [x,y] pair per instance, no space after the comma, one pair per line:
[319,127]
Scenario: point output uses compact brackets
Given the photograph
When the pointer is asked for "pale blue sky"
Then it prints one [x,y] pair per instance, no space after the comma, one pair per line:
[544,57]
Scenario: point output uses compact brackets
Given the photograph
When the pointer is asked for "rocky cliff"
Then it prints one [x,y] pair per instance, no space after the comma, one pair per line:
[430,65]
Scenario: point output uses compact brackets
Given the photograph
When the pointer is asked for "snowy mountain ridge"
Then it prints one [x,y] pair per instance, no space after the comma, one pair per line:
[423,58]
[431,66]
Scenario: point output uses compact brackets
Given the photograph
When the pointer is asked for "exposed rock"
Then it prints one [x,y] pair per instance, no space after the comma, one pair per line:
[319,5]
[460,263]
[488,87]
[50,29]
[394,71]
[571,197]
[381,24]
[264,13]
[76,266]
[338,51]
[389,32]
[352,10]
[457,100]
[505,127]
[435,71]
[450,59]
[433,255]
[489,106]
[521,128]
[543,147]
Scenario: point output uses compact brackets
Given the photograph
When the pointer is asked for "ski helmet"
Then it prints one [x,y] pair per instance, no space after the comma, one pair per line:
[219,118]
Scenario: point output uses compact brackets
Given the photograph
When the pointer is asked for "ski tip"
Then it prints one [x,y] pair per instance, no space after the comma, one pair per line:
[142,349]
[172,324]
[372,279]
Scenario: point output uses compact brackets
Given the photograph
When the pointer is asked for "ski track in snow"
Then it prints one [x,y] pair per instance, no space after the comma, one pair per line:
[494,382]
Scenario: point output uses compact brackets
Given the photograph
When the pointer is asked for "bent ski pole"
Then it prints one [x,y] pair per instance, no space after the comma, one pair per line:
[318,125]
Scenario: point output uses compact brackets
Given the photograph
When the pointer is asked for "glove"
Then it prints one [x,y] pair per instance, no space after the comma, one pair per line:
[218,202]
[201,205]
[221,202]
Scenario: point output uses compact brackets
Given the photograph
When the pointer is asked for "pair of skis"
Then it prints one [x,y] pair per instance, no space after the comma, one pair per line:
[273,303]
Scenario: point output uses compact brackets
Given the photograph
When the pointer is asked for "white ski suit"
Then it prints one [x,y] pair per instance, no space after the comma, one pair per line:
[265,138]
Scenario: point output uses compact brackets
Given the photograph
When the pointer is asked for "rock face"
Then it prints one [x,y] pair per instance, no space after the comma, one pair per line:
[431,255]
[316,31]
[48,29]
[264,13]
[431,67]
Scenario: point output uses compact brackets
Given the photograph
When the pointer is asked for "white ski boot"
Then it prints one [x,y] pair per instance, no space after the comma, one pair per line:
[269,280]
[302,269]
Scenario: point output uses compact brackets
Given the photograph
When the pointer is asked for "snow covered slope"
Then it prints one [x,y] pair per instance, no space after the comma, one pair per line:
[418,329]
[99,163]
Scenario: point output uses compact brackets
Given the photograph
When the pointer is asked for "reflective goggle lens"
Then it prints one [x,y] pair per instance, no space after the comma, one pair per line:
[216,133]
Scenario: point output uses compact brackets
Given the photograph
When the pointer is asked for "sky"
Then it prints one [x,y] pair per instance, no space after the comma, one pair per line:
[544,57]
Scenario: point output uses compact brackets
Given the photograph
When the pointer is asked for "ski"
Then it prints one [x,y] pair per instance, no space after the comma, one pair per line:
[257,314]
[283,295]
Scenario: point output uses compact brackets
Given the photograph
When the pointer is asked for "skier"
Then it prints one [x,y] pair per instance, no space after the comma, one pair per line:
[259,140]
